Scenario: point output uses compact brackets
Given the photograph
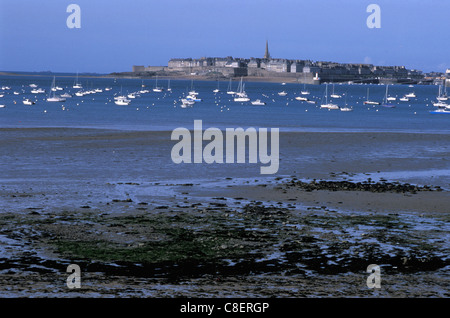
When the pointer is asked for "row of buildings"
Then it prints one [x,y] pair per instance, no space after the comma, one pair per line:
[305,71]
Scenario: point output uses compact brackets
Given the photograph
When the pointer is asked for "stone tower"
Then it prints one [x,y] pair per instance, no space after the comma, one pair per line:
[267,54]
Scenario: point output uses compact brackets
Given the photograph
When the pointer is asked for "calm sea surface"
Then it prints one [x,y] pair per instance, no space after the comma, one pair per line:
[163,111]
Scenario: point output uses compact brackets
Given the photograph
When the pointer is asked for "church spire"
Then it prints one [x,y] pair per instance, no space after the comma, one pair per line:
[267,55]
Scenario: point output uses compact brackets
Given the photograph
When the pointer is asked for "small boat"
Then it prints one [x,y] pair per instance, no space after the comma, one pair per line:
[404,99]
[442,97]
[56,99]
[132,95]
[300,98]
[193,98]
[28,102]
[333,95]
[76,84]
[66,95]
[330,106]
[369,102]
[241,99]
[157,89]
[346,109]
[440,111]
[187,102]
[122,102]
[410,95]
[5,88]
[283,93]
[2,106]
[79,93]
[38,91]
[217,89]
[98,90]
[16,93]
[440,104]
[33,85]
[258,102]
[229,91]
[385,100]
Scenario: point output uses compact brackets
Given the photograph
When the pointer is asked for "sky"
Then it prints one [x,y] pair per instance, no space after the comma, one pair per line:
[116,34]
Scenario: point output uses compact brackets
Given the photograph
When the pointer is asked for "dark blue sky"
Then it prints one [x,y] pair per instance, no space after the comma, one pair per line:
[116,34]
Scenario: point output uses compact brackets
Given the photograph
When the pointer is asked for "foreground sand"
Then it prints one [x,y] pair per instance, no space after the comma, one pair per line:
[139,225]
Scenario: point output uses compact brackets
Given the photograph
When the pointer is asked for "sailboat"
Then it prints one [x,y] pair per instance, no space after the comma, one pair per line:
[52,97]
[76,84]
[346,108]
[157,89]
[328,105]
[120,96]
[241,94]
[193,92]
[442,97]
[217,89]
[333,95]
[385,100]
[369,102]
[168,86]
[229,91]
[304,91]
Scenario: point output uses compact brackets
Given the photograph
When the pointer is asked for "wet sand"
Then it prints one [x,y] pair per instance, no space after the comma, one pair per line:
[113,202]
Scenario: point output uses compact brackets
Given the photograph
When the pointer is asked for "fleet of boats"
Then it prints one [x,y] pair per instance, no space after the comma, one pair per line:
[239,96]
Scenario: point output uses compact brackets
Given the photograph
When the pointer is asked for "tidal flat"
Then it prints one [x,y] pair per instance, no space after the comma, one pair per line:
[113,204]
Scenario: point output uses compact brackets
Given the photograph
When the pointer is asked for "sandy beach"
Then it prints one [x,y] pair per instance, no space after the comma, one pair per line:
[139,225]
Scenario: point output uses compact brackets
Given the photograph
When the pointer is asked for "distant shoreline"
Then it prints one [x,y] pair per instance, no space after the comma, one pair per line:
[172,77]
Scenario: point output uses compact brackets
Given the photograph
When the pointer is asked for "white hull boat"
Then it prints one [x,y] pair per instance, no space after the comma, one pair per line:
[28,102]
[122,102]
[258,102]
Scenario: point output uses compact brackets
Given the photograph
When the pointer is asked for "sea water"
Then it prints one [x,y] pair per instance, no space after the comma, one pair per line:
[163,111]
